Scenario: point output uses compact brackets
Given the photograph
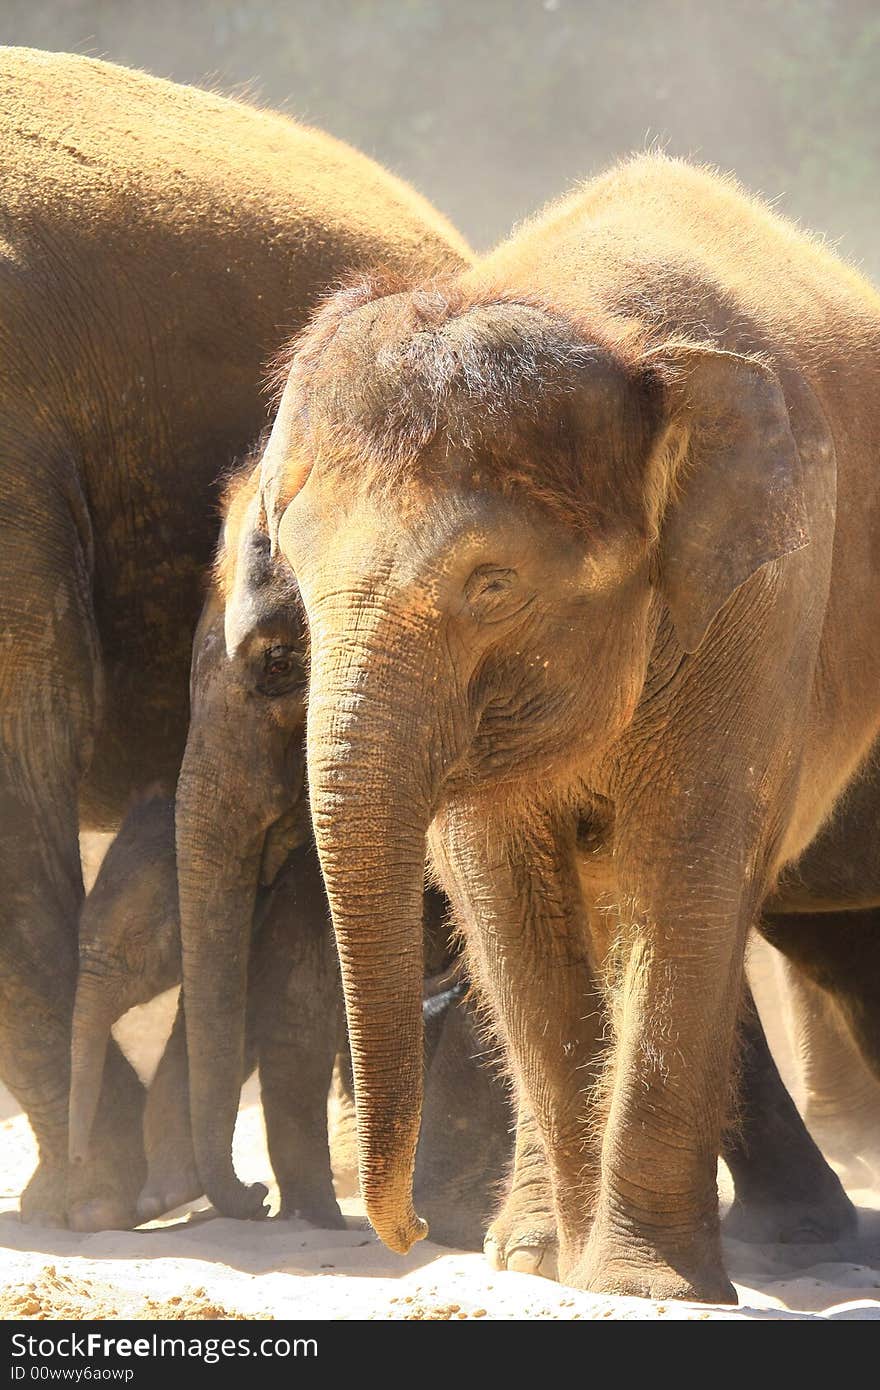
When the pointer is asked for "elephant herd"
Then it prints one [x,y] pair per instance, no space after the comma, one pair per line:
[535,667]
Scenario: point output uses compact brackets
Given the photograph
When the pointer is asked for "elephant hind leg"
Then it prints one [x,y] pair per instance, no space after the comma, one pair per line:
[784,1190]
[838,955]
[841,1095]
[172,1175]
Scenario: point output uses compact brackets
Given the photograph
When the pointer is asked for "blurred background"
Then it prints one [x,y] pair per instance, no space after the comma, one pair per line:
[492,106]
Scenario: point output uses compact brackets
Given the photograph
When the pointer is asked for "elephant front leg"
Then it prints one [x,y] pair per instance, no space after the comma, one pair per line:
[296,1067]
[41,889]
[520,906]
[522,1236]
[676,987]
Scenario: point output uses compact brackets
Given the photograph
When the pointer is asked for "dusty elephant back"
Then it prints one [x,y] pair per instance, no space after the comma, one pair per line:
[87,143]
[662,247]
[157,245]
[142,221]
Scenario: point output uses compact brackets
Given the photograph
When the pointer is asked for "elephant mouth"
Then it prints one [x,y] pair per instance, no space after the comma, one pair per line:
[288,833]
[443,989]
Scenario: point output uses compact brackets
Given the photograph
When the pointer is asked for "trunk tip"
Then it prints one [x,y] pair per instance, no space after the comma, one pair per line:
[400,1236]
[237,1199]
[77,1148]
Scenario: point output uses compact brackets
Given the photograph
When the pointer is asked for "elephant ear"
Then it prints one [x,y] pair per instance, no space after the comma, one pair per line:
[736,500]
[257,584]
[283,471]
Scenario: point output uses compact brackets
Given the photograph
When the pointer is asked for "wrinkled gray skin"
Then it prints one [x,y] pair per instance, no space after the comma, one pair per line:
[240,808]
[242,772]
[130,952]
[784,1190]
[466,1142]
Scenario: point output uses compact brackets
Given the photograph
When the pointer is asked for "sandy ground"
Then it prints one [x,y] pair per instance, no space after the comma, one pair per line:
[202,1266]
[197,1265]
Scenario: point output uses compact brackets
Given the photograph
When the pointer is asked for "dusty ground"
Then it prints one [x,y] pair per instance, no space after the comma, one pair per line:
[202,1266]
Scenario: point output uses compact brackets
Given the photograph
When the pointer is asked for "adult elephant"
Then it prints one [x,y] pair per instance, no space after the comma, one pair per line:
[156,245]
[579,534]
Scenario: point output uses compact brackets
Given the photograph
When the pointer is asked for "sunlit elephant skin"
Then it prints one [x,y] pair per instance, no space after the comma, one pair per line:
[784,1190]
[243,779]
[245,757]
[158,243]
[824,915]
[577,534]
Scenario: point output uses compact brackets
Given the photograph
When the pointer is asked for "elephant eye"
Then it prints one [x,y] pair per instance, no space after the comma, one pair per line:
[282,670]
[492,593]
[278,661]
[488,579]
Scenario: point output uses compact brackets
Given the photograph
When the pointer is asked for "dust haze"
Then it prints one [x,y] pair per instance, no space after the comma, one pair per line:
[490,107]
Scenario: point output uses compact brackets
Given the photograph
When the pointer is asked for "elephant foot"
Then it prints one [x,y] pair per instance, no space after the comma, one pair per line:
[84,1201]
[102,1196]
[607,1266]
[108,1213]
[792,1223]
[44,1200]
[523,1239]
[172,1181]
[319,1208]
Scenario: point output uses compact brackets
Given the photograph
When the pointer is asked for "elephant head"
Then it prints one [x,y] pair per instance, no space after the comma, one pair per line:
[129,947]
[240,808]
[494,513]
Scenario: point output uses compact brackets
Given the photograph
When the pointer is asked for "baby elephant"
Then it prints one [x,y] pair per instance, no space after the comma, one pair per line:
[130,952]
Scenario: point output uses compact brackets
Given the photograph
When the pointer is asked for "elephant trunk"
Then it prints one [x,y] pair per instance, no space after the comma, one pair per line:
[97,1006]
[218,857]
[371,793]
